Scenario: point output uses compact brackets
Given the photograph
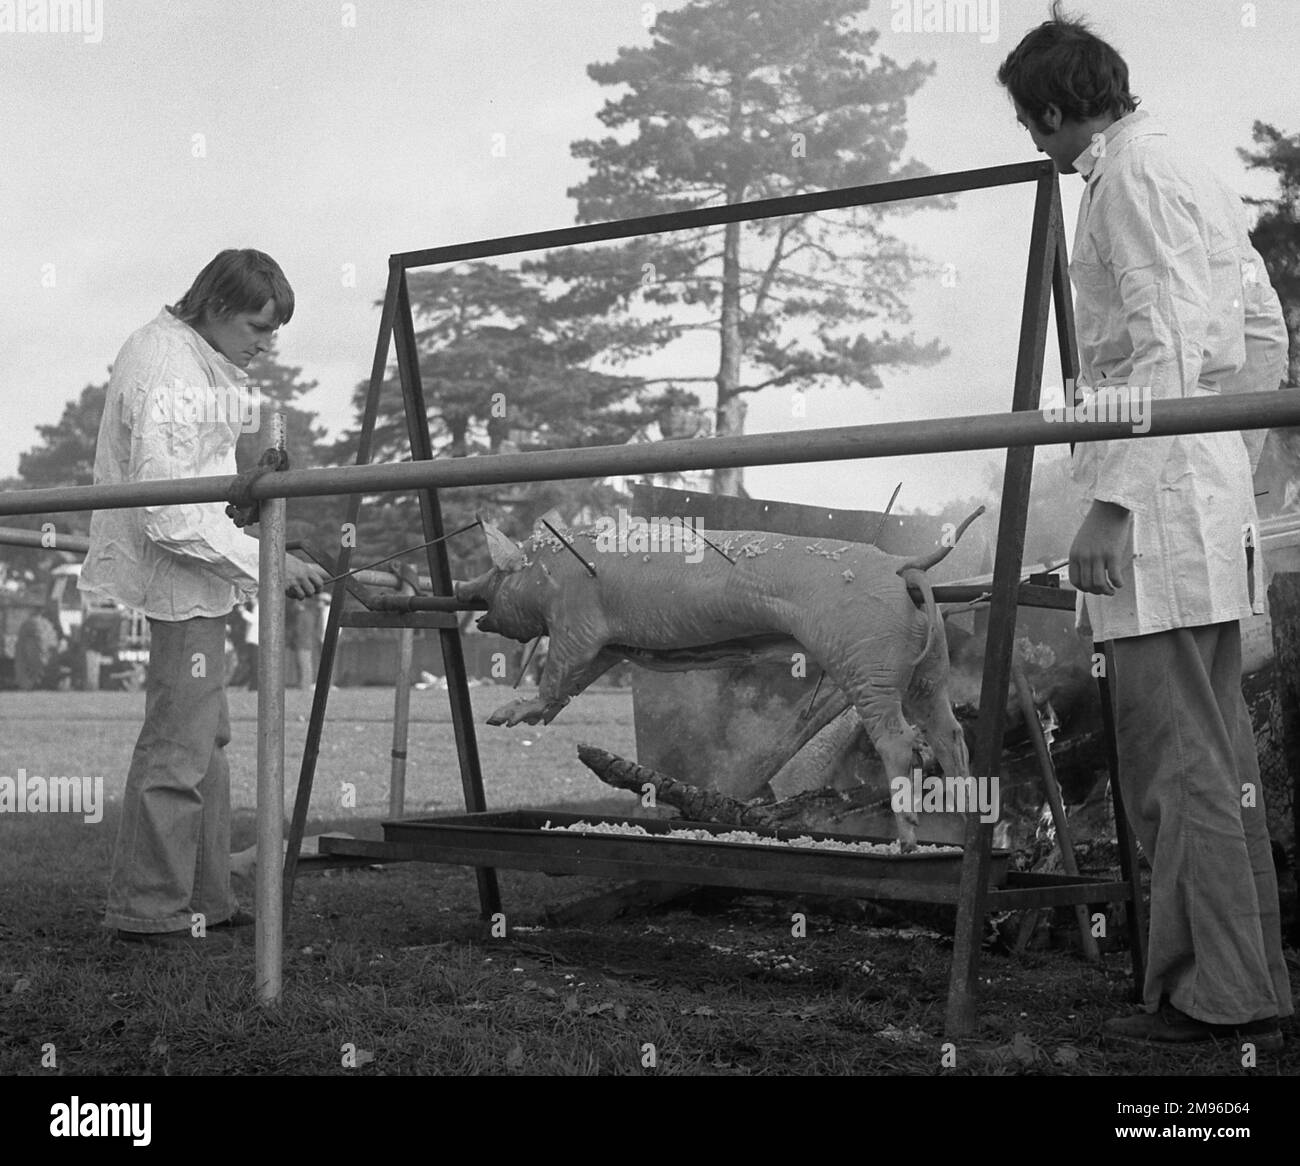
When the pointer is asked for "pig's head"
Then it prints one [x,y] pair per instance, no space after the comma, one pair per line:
[510,589]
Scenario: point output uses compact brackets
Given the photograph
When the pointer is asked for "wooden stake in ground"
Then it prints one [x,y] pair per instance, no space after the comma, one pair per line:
[1064,839]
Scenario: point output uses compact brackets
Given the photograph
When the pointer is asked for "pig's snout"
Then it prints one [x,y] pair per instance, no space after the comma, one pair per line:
[466,590]
[477,589]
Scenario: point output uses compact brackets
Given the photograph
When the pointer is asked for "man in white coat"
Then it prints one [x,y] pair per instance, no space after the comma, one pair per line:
[1160,259]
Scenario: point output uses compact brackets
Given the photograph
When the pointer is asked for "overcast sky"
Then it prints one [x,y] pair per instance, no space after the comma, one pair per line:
[132,152]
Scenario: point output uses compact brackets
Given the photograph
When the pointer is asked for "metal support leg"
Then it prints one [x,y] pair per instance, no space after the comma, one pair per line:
[268,928]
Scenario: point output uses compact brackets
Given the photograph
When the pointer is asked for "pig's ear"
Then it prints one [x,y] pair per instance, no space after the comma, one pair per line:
[506,556]
[553,517]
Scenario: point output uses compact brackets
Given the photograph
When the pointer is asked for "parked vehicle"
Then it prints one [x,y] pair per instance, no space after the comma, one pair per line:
[110,643]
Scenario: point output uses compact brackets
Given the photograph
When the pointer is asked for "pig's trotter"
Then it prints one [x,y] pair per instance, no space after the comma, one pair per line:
[552,710]
[894,740]
[521,711]
[905,823]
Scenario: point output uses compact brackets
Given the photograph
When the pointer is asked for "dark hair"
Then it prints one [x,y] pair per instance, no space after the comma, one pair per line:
[237,281]
[1061,63]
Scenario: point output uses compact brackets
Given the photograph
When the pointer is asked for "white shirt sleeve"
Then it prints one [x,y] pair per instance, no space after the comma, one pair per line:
[172,441]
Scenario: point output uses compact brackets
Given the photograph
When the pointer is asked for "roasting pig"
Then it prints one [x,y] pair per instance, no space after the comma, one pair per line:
[730,597]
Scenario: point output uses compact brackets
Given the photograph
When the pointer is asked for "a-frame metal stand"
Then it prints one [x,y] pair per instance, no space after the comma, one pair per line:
[487,841]
[396,322]
[1046,283]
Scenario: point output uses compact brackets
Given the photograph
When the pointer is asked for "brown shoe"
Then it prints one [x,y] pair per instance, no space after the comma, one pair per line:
[238,919]
[1169,1026]
[173,939]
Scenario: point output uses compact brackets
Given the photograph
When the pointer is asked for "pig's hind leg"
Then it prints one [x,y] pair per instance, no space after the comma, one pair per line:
[567,673]
[880,708]
[868,669]
[894,740]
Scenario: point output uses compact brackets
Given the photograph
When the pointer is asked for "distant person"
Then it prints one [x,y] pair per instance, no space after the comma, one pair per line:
[252,640]
[237,630]
[306,629]
[36,654]
[184,566]
[292,617]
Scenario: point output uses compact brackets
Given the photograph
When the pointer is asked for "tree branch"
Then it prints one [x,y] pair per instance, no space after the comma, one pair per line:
[763,288]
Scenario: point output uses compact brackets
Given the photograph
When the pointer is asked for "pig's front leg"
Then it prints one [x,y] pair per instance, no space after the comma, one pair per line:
[566,674]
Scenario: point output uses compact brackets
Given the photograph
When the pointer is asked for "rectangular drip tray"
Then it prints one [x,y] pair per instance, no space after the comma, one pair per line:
[516,839]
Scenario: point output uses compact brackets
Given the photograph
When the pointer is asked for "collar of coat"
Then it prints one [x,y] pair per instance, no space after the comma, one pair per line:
[1094,160]
[191,336]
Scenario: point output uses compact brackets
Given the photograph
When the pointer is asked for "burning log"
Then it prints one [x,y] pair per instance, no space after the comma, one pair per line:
[818,809]
[818,758]
[830,810]
[827,707]
[699,805]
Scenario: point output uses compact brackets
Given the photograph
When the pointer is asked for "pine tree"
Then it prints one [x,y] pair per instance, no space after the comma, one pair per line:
[279,388]
[1276,235]
[508,364]
[67,455]
[749,99]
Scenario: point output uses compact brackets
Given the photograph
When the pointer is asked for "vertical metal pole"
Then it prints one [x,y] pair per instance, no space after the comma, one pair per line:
[268,928]
[453,651]
[972,891]
[325,670]
[1063,309]
[401,715]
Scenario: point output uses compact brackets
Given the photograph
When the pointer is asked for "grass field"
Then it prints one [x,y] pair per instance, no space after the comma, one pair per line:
[391,969]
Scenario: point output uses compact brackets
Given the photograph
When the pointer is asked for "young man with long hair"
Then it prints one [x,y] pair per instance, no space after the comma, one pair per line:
[176,403]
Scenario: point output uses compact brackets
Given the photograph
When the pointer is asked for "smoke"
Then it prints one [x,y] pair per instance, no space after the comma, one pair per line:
[716,728]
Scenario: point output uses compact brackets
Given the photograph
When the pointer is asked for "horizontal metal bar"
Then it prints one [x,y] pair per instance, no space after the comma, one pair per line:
[369,578]
[309,863]
[1020,879]
[1030,596]
[1280,530]
[12,536]
[891,439]
[77,544]
[561,858]
[1074,890]
[392,619]
[926,186]
[426,603]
